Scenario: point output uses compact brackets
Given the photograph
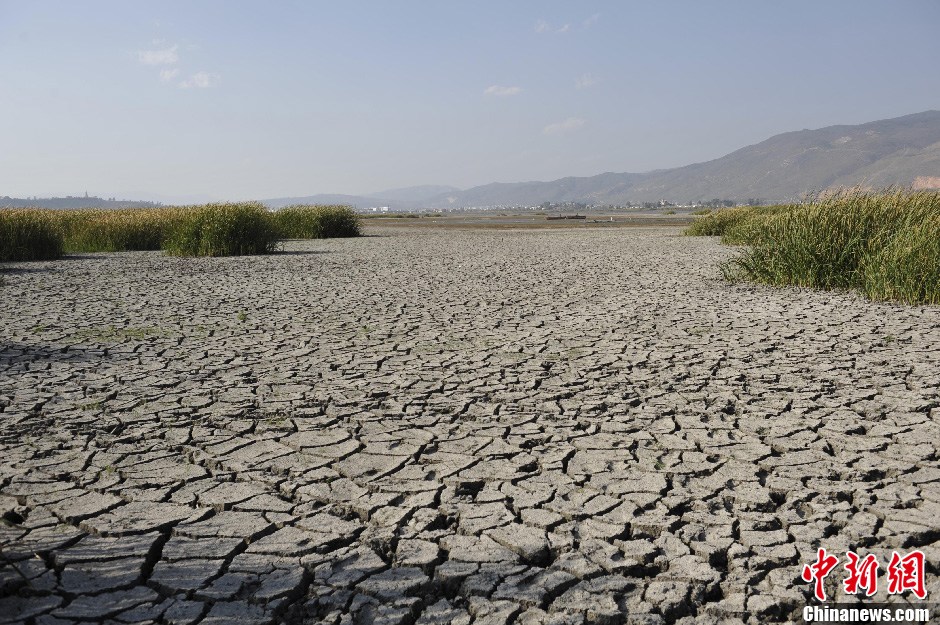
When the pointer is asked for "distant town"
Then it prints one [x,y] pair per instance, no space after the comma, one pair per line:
[580,206]
[87,201]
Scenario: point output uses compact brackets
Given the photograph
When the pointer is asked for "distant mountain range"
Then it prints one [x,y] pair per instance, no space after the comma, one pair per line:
[406,197]
[902,151]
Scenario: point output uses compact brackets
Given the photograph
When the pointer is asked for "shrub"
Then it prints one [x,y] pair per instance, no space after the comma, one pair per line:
[222,230]
[28,234]
[317,222]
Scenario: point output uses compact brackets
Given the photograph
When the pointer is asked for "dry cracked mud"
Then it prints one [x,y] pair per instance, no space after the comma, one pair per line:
[566,426]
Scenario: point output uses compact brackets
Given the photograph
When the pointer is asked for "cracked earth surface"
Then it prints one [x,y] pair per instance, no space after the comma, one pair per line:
[578,426]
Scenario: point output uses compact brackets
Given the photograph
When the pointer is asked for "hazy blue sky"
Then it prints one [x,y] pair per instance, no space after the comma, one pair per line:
[215,99]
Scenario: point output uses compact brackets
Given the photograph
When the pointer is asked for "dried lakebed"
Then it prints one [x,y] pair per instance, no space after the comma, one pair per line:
[557,426]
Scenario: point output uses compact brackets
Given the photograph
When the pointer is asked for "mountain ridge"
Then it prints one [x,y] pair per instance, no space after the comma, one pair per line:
[902,151]
[784,167]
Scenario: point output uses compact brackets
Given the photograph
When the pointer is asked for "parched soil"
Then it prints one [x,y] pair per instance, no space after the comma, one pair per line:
[453,426]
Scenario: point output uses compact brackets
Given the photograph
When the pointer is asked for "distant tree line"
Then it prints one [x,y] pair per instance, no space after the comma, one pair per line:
[72,202]
[716,203]
[575,206]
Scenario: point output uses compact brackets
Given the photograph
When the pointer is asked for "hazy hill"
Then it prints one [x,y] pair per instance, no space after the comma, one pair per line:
[357,201]
[899,151]
[414,194]
[784,167]
[404,198]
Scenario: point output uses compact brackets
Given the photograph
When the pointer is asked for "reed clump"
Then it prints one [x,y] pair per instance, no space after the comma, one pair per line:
[27,234]
[716,223]
[908,267]
[223,229]
[885,244]
[748,229]
[302,221]
[91,230]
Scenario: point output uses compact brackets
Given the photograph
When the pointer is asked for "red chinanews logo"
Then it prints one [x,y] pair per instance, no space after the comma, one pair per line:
[905,573]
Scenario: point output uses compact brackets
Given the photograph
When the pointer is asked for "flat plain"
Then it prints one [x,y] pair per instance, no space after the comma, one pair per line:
[454,425]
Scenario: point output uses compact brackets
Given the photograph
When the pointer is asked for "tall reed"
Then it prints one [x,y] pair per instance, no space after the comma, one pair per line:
[223,229]
[27,234]
[716,223]
[885,244]
[317,222]
[93,230]
[233,229]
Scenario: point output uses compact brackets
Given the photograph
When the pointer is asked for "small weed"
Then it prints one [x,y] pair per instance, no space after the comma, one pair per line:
[242,316]
[277,421]
[112,334]
[659,466]
[574,352]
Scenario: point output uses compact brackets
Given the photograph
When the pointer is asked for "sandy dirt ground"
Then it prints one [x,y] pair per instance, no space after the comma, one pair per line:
[453,426]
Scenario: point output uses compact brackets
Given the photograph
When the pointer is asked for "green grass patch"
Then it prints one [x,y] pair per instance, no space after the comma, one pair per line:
[317,222]
[884,244]
[223,230]
[27,234]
